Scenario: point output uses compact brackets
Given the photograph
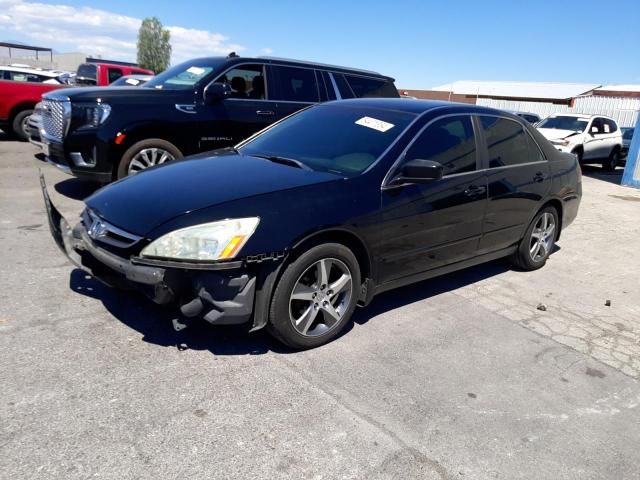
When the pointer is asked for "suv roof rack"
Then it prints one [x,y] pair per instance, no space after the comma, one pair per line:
[327,65]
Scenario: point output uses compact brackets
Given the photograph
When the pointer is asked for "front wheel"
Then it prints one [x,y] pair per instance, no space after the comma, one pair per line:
[315,298]
[538,241]
[612,162]
[20,124]
[145,154]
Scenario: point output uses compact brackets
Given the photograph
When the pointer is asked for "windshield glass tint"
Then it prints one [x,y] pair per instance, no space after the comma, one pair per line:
[564,123]
[344,140]
[184,76]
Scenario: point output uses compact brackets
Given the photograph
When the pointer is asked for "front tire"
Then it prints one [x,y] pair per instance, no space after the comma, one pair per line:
[538,241]
[19,124]
[145,154]
[612,162]
[315,298]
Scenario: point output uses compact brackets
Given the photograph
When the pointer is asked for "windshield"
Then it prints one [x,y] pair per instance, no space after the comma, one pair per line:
[574,124]
[340,139]
[628,134]
[185,76]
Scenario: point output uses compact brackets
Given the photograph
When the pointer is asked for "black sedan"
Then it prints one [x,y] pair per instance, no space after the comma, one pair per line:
[320,212]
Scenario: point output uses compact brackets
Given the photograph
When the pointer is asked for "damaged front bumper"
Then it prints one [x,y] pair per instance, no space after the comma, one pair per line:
[223,294]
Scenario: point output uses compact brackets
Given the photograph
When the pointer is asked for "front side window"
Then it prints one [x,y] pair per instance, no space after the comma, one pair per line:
[294,84]
[366,87]
[449,141]
[597,126]
[114,74]
[507,143]
[246,82]
[334,138]
[573,124]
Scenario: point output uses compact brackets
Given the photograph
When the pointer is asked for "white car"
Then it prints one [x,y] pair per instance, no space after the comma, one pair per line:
[593,138]
[25,73]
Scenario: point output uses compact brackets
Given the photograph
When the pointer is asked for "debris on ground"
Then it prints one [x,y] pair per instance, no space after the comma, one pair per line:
[607,303]
[542,307]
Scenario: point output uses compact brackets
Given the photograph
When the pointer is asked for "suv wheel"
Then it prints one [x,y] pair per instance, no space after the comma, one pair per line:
[20,124]
[315,297]
[538,241]
[612,162]
[145,154]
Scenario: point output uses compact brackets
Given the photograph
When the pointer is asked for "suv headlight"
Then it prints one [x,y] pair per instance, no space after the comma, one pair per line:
[92,115]
[562,142]
[209,241]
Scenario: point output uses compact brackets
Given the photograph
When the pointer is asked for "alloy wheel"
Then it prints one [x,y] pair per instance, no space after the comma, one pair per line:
[320,297]
[148,157]
[542,237]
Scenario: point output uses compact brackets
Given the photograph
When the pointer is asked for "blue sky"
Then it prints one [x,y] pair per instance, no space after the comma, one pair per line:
[420,43]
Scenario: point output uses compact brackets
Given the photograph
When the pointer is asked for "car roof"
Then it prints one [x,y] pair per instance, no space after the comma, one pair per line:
[585,116]
[419,106]
[38,71]
[288,61]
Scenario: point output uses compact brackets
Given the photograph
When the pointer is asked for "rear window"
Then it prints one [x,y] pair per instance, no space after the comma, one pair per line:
[365,87]
[87,74]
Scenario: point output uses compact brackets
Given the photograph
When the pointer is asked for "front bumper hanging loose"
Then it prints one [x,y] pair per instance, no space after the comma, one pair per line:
[222,296]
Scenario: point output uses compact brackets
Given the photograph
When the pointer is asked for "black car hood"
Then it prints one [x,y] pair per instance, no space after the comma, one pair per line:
[140,203]
[116,94]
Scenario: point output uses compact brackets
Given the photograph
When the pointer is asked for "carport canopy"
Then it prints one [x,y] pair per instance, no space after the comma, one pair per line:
[32,48]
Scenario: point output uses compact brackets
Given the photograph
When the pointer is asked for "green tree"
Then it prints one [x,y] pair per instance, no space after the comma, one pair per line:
[154,48]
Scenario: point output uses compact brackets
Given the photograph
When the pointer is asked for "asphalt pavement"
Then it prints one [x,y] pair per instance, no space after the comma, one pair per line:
[485,373]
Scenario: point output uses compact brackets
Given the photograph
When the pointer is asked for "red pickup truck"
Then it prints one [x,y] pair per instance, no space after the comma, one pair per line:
[17,100]
[103,74]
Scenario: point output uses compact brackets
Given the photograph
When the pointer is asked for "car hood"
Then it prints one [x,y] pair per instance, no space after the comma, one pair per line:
[116,94]
[555,133]
[142,202]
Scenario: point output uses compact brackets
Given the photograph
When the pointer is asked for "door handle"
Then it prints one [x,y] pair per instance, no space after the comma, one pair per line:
[265,113]
[474,191]
[539,177]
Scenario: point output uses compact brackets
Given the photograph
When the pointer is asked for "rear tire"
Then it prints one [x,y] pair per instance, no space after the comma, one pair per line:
[144,154]
[538,241]
[19,124]
[612,162]
[315,298]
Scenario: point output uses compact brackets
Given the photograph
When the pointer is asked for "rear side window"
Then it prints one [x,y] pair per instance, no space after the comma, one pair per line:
[365,87]
[449,141]
[327,92]
[609,126]
[507,143]
[294,84]
[114,74]
[343,86]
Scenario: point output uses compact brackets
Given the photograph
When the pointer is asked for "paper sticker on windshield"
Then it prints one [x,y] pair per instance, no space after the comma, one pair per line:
[374,123]
[195,70]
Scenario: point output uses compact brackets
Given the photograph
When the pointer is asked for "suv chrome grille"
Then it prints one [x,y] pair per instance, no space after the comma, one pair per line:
[104,232]
[55,118]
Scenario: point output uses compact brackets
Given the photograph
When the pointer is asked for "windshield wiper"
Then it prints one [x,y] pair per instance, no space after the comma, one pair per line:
[284,161]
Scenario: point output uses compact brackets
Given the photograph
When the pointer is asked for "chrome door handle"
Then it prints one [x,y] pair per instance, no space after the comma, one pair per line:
[265,113]
[473,191]
[539,177]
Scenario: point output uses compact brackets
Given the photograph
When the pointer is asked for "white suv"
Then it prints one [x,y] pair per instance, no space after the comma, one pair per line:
[593,138]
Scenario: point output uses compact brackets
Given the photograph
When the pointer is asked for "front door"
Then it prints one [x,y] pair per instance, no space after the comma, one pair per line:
[425,226]
[517,178]
[245,112]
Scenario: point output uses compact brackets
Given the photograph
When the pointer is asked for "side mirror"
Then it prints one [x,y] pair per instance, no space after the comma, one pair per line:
[595,130]
[216,92]
[418,171]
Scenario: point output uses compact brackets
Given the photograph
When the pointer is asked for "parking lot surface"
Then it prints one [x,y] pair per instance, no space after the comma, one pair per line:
[485,373]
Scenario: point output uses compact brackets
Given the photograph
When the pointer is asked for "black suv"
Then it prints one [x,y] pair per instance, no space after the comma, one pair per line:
[103,134]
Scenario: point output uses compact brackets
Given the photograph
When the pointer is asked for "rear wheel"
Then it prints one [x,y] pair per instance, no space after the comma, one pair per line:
[315,297]
[612,162]
[145,154]
[20,124]
[538,241]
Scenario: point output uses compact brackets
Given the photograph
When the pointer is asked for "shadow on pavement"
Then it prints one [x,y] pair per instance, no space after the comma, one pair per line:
[154,321]
[76,189]
[597,172]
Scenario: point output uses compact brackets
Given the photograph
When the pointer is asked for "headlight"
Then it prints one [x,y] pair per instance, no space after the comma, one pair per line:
[564,143]
[209,241]
[93,115]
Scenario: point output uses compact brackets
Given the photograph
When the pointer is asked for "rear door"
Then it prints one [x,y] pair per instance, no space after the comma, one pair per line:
[292,89]
[593,140]
[517,177]
[425,226]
